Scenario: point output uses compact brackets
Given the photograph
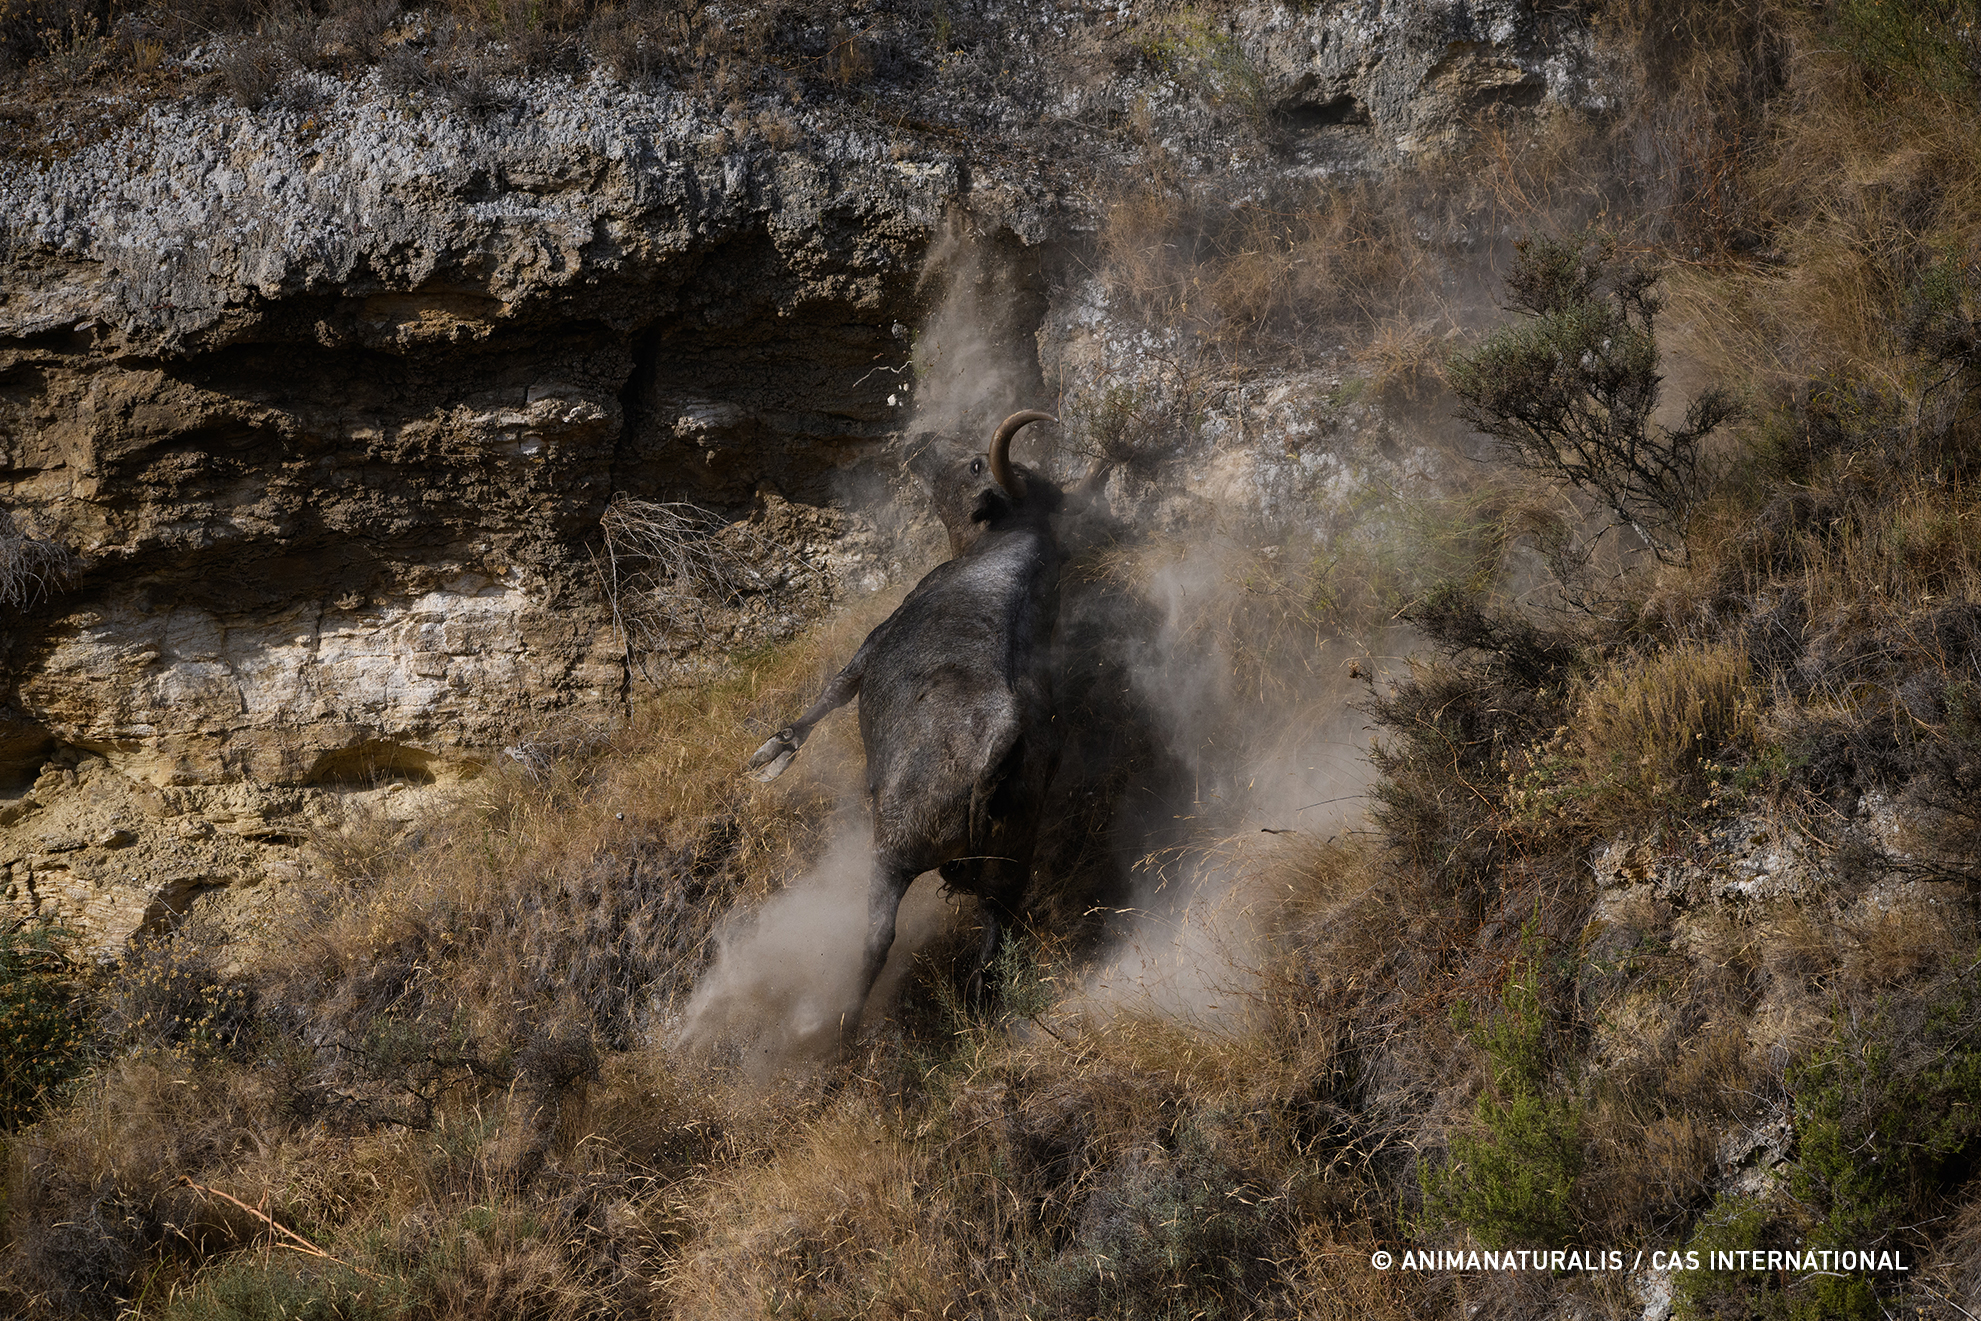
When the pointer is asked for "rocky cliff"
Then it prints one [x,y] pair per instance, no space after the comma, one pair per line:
[322,401]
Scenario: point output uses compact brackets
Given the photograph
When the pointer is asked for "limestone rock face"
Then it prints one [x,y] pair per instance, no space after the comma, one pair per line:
[329,403]
[1411,79]
[325,400]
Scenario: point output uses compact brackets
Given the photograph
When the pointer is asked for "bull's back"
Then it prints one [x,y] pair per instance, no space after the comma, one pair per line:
[961,683]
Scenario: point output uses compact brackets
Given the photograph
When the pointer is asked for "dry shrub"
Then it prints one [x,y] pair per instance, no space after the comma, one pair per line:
[1655,1177]
[1959,1265]
[1280,618]
[1855,192]
[576,901]
[30,567]
[251,73]
[1146,1161]
[848,62]
[669,567]
[1711,1074]
[1139,426]
[1650,733]
[1336,1283]
[1464,739]
[95,1198]
[1718,70]
[1917,545]
[1900,938]
[1401,357]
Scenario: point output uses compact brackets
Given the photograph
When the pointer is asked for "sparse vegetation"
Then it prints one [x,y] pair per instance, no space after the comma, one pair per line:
[44,1039]
[1509,1179]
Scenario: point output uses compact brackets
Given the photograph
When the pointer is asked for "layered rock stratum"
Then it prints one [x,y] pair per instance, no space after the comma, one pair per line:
[323,401]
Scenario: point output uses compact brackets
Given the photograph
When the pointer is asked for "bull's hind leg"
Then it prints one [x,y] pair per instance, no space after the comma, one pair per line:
[1015,798]
[891,879]
[985,878]
[1001,899]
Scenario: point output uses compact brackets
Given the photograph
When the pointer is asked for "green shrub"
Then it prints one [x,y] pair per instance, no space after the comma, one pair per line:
[1569,393]
[44,1041]
[1735,1223]
[1888,1123]
[1918,43]
[1888,1129]
[1510,1180]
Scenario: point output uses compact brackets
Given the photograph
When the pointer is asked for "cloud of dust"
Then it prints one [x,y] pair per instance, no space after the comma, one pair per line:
[1267,760]
[974,363]
[785,972]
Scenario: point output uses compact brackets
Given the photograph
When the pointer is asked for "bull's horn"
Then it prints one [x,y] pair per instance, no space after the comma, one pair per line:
[1000,450]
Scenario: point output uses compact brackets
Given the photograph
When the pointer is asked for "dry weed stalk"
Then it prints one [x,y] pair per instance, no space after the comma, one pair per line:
[30,568]
[280,1235]
[670,568]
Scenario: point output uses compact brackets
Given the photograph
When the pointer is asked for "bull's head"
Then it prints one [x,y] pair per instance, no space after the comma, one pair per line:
[972,491]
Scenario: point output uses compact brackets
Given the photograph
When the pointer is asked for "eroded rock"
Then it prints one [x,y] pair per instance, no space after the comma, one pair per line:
[327,398]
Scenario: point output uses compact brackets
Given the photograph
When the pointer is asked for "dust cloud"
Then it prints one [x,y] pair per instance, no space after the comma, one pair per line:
[785,973]
[972,360]
[1269,742]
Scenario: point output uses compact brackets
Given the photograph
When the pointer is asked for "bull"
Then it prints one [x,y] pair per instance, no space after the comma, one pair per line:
[956,709]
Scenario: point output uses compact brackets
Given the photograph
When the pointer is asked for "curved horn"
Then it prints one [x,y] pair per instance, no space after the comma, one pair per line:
[1000,450]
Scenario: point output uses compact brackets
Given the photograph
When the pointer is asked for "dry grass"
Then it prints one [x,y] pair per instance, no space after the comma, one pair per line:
[1098,1164]
[440,1070]
[845,1220]
[1649,733]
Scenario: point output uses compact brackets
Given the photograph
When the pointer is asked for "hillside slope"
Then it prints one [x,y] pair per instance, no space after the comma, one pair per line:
[1468,844]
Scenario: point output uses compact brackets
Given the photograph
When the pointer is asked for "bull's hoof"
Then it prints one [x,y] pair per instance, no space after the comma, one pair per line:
[771,759]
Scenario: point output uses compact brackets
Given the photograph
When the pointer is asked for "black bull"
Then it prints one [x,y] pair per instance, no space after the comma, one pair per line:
[956,709]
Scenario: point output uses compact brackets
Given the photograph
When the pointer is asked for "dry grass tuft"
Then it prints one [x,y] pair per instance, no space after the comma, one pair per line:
[1651,734]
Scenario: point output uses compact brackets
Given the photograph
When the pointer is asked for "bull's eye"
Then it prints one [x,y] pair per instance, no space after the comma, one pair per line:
[976,467]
